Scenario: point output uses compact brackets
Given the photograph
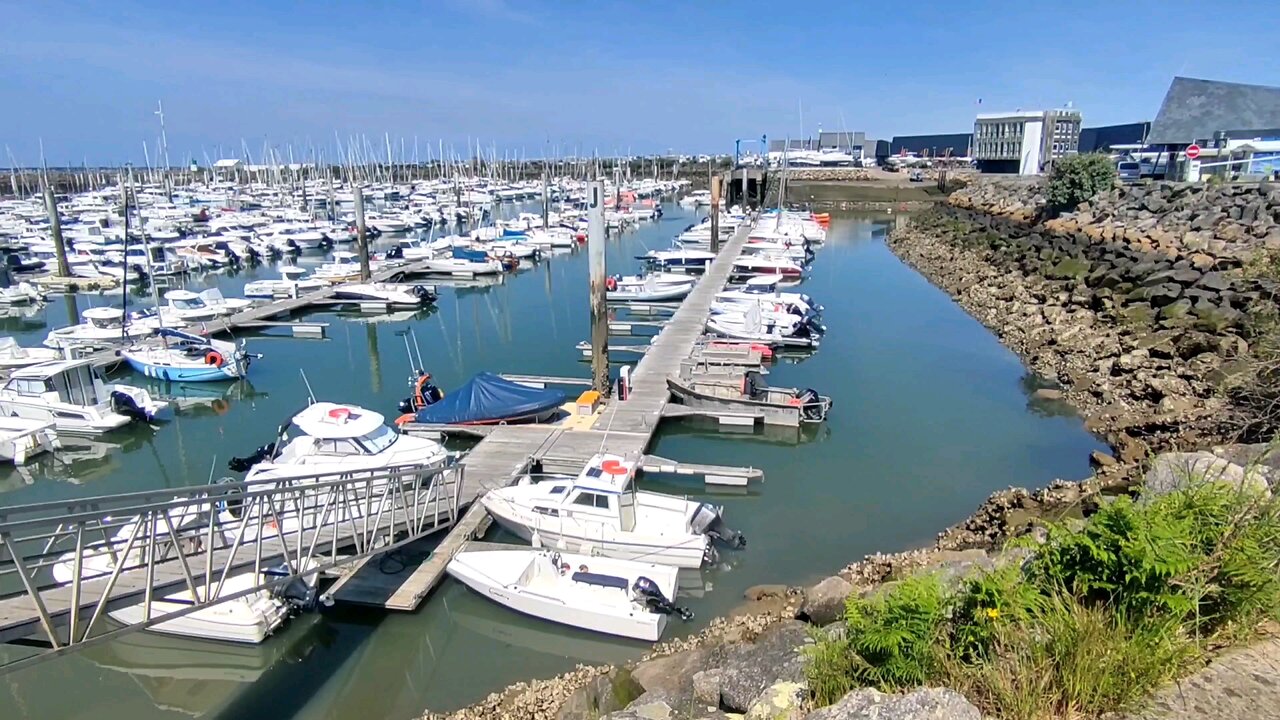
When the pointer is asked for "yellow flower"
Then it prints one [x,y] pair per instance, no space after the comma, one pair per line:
[993,613]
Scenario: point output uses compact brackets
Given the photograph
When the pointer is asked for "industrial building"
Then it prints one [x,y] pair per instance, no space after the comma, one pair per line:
[1025,142]
[1234,124]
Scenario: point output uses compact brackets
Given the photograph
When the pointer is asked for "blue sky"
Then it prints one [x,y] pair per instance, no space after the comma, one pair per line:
[602,75]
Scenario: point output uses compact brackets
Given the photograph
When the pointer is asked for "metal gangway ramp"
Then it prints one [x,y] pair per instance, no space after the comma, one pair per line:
[65,564]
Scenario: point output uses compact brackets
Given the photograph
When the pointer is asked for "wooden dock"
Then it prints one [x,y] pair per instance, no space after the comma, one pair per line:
[506,452]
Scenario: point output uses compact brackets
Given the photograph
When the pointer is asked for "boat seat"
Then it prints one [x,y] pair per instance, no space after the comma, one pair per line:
[591,578]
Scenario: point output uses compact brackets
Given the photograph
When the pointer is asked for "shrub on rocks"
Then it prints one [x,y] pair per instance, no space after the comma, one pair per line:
[1091,621]
[1077,178]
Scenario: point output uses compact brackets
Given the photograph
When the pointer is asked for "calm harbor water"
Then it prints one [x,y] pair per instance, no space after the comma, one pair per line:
[931,415]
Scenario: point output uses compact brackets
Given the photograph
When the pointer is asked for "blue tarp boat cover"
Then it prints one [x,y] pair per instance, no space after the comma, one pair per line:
[472,255]
[489,398]
[512,233]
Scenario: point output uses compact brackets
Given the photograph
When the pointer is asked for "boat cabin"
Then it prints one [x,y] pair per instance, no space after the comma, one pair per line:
[73,382]
[604,492]
[327,430]
[104,318]
[185,301]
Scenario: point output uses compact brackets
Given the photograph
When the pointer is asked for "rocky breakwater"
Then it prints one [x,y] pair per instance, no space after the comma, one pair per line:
[1134,320]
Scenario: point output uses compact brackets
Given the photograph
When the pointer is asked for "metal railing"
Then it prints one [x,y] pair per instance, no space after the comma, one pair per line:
[65,564]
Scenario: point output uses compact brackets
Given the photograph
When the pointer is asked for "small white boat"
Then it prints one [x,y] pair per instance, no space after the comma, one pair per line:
[766,264]
[291,284]
[13,355]
[461,261]
[387,293]
[648,291]
[767,287]
[776,329]
[680,259]
[21,439]
[102,326]
[600,512]
[345,267]
[72,395]
[24,293]
[605,595]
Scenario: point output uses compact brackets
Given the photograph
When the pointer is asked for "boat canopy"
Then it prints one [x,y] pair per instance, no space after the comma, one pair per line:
[471,255]
[490,398]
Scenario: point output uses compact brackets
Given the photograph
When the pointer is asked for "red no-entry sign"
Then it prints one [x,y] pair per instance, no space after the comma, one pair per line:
[1193,151]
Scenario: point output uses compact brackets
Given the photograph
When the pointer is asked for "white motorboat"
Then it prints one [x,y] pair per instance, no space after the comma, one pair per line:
[767,287]
[651,290]
[248,619]
[24,293]
[387,293]
[345,267]
[766,264]
[291,284]
[605,595]
[600,512]
[328,437]
[102,327]
[752,325]
[680,259]
[73,395]
[13,355]
[552,237]
[22,439]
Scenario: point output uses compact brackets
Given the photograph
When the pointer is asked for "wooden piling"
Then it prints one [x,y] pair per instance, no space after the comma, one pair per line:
[362,237]
[546,200]
[715,214]
[55,229]
[599,304]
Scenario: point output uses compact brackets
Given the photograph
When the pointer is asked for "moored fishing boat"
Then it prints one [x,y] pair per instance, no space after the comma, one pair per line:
[73,395]
[600,512]
[485,399]
[746,393]
[605,595]
[182,357]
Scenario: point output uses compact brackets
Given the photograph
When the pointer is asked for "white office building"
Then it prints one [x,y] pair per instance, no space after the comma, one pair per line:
[1024,142]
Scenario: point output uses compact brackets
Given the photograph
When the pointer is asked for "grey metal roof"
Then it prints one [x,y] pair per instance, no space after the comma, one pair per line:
[1195,109]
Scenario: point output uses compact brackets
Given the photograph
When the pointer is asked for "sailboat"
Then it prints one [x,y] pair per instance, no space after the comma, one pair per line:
[183,357]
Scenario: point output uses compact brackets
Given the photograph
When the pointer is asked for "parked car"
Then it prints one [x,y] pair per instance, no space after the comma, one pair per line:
[1129,171]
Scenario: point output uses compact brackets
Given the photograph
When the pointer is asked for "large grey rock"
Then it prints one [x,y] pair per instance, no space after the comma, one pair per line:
[748,669]
[1239,685]
[706,687]
[925,704]
[780,701]
[605,694]
[644,711]
[1179,470]
[824,602]
[671,675]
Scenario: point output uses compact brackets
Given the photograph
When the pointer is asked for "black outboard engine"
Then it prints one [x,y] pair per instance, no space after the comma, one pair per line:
[816,327]
[124,404]
[297,592]
[424,293]
[647,592]
[293,246]
[242,464]
[231,502]
[707,520]
[810,404]
[395,253]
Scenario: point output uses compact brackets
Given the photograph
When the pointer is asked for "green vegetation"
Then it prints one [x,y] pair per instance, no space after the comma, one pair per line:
[1091,621]
[1076,178]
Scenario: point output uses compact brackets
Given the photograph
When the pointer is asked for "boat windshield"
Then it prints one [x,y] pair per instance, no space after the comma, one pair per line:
[378,440]
[194,303]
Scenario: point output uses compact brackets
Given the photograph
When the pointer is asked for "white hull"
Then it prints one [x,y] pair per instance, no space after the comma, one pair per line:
[529,582]
[688,554]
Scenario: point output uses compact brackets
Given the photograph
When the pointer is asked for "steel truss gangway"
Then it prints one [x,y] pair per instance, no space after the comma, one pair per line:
[134,549]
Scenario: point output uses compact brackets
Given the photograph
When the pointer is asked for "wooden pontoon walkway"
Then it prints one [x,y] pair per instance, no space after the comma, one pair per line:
[504,454]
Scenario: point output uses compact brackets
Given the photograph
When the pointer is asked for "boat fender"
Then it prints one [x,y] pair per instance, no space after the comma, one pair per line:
[214,358]
[406,418]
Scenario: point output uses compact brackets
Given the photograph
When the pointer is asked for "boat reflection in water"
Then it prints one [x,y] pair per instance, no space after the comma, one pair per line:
[201,679]
[203,399]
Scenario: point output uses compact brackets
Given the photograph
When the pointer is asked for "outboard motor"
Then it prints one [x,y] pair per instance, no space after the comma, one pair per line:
[124,404]
[298,593]
[293,246]
[395,253]
[707,520]
[810,404]
[242,464]
[646,591]
[232,501]
[424,293]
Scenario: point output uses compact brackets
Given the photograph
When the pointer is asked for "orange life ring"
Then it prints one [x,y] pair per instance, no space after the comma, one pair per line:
[214,358]
[220,406]
[613,467]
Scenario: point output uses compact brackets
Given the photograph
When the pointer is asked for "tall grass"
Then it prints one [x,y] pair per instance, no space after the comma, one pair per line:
[1090,624]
